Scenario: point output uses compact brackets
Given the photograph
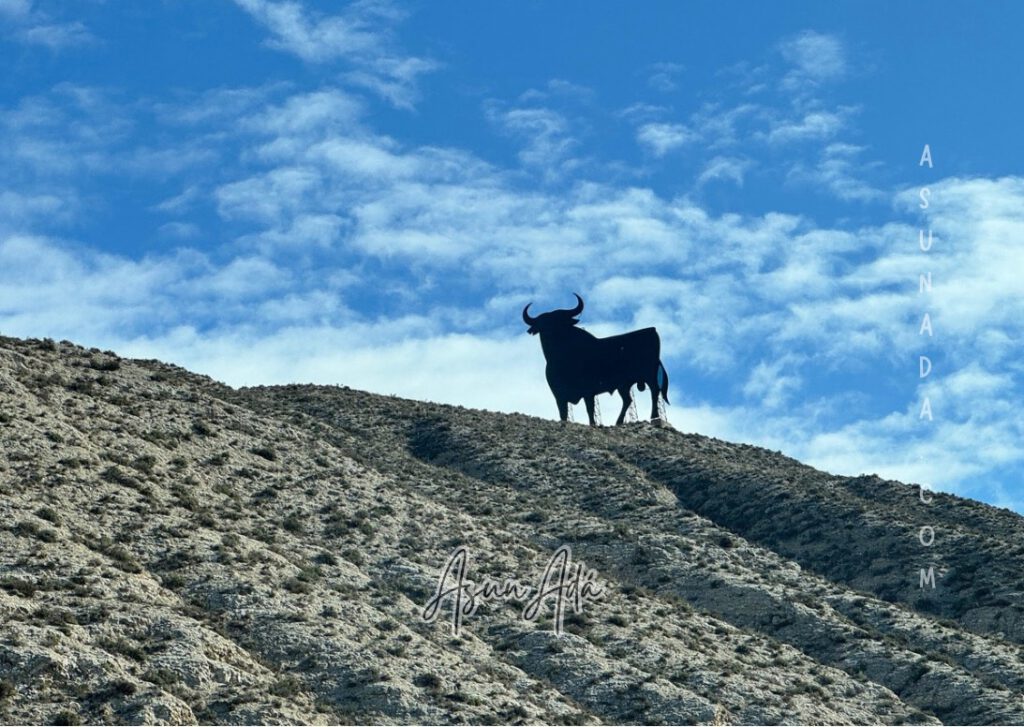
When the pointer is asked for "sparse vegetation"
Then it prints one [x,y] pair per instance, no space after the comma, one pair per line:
[48,513]
[164,678]
[326,558]
[294,523]
[32,529]
[115,475]
[145,463]
[66,717]
[104,363]
[266,453]
[7,690]
[297,585]
[220,459]
[124,647]
[288,539]
[429,681]
[287,686]
[19,586]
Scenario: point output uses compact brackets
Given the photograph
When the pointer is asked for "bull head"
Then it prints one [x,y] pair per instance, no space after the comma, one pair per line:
[552,320]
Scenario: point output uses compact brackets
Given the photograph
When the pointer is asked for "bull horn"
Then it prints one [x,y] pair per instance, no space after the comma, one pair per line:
[579,306]
[526,316]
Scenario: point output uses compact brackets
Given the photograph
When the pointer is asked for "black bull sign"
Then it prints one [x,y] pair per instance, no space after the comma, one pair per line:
[581,365]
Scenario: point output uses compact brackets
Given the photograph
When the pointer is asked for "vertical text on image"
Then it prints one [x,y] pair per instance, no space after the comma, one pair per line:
[926,535]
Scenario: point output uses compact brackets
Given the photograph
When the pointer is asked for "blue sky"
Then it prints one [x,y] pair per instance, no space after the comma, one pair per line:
[369,193]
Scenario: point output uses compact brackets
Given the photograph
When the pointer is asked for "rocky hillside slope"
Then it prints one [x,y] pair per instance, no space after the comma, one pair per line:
[173,551]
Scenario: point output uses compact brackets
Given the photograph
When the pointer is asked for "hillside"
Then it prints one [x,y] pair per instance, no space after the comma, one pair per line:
[174,550]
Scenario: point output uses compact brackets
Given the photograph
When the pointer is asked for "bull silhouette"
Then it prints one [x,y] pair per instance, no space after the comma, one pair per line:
[581,365]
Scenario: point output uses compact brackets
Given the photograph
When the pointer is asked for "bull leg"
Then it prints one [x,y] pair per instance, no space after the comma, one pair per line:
[563,410]
[590,410]
[655,393]
[627,398]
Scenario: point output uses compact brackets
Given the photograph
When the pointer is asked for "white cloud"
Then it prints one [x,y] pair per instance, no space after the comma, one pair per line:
[368,161]
[725,168]
[643,112]
[245,278]
[557,88]
[717,127]
[661,138]
[82,295]
[179,230]
[302,113]
[15,9]
[269,197]
[165,161]
[303,232]
[322,308]
[359,37]
[315,40]
[393,79]
[62,140]
[57,36]
[20,210]
[769,386]
[974,260]
[720,128]
[545,132]
[180,202]
[838,171]
[815,58]
[814,126]
[28,25]
[216,105]
[663,76]
[704,323]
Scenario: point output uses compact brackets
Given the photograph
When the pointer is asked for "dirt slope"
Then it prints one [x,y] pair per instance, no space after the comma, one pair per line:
[173,551]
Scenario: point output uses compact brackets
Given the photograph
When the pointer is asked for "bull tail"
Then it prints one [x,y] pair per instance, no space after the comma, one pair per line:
[663,382]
